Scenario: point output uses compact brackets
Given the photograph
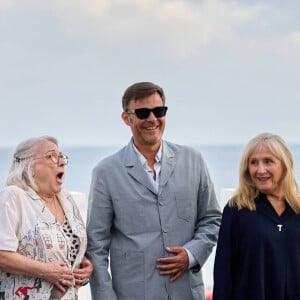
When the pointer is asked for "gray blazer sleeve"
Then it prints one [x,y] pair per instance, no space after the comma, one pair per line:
[99,221]
[208,214]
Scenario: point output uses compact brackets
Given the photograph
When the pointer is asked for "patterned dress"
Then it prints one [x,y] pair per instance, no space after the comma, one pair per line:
[29,228]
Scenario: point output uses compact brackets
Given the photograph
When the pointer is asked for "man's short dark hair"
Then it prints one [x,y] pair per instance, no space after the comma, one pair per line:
[141,90]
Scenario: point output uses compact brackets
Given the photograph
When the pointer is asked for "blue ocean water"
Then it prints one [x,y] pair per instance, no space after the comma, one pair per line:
[222,162]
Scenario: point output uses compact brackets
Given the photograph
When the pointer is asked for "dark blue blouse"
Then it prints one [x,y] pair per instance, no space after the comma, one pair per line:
[258,254]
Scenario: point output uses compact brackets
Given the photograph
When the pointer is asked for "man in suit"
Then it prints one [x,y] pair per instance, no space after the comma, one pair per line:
[152,209]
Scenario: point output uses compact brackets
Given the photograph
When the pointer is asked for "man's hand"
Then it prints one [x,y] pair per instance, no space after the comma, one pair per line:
[175,265]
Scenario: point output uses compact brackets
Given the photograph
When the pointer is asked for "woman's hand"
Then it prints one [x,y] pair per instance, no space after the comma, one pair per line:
[58,273]
[83,274]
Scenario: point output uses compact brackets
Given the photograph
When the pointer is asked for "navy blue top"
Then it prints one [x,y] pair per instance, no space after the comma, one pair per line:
[255,258]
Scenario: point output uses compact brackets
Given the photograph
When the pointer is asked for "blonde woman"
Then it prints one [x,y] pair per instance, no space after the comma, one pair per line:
[258,251]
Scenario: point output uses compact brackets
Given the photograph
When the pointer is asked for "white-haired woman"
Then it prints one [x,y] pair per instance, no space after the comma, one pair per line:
[258,251]
[43,238]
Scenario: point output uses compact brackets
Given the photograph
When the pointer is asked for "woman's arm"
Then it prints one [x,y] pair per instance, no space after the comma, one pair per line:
[226,255]
[56,271]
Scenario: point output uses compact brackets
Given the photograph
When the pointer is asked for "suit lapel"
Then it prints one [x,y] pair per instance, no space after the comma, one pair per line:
[168,164]
[135,168]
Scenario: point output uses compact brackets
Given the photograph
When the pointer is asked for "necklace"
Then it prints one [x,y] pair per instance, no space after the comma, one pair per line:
[54,199]
[55,209]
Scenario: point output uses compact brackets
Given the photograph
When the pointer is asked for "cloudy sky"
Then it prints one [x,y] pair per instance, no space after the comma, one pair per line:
[230,69]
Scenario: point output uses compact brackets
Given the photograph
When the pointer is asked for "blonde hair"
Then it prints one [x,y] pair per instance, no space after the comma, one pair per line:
[246,191]
[20,173]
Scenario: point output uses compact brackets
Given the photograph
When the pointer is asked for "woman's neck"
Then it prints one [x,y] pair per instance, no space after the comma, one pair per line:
[47,197]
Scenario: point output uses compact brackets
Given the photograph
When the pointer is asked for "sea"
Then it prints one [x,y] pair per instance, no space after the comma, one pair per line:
[222,162]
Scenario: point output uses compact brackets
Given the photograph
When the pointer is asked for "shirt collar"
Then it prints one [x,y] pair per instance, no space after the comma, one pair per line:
[33,194]
[143,159]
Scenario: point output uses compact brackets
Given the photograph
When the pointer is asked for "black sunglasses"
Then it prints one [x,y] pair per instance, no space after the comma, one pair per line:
[143,113]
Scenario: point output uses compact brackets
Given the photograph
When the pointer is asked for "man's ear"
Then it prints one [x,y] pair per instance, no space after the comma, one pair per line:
[126,118]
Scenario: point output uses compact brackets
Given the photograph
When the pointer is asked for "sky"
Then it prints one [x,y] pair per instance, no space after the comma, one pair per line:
[229,69]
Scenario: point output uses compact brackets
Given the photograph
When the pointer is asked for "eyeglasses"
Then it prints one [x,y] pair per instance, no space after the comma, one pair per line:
[55,157]
[143,113]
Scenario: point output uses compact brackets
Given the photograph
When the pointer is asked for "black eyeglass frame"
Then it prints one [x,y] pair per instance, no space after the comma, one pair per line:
[143,113]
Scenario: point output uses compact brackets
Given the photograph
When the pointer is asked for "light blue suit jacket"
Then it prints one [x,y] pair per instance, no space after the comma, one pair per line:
[133,224]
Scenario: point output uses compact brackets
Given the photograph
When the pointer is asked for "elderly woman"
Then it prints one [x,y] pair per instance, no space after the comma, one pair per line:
[43,237]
